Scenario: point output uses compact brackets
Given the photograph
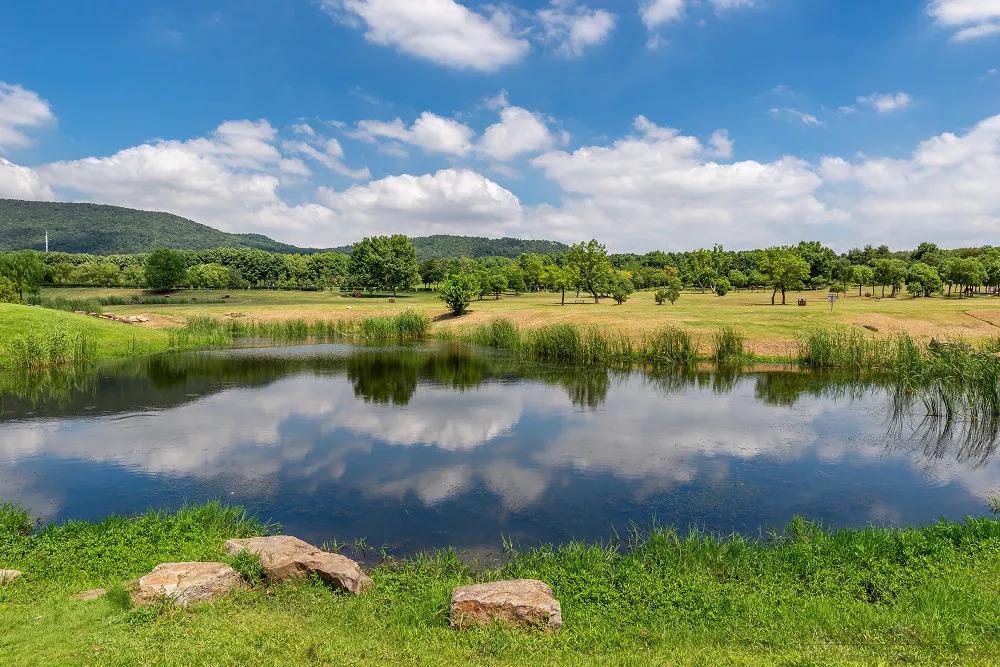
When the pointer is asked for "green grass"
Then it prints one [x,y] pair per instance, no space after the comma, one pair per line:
[800,596]
[105,339]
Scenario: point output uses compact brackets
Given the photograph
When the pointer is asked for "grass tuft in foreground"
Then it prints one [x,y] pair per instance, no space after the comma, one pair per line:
[800,595]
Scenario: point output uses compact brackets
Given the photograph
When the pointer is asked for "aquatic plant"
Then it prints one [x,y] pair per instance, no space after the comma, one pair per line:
[729,346]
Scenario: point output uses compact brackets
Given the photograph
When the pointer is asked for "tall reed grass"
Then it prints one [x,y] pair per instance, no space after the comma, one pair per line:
[729,347]
[47,348]
[207,332]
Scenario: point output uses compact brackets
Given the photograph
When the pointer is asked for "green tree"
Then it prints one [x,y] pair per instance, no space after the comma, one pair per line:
[8,293]
[737,279]
[431,272]
[384,263]
[208,276]
[722,287]
[561,278]
[890,272]
[458,290]
[863,275]
[923,280]
[515,279]
[593,268]
[673,289]
[784,270]
[165,269]
[24,269]
[621,287]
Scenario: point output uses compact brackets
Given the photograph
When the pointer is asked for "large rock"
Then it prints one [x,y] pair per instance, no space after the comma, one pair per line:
[517,602]
[7,576]
[284,557]
[184,583]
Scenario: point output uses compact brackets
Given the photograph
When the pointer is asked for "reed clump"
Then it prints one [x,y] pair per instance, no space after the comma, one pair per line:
[729,347]
[670,346]
[47,348]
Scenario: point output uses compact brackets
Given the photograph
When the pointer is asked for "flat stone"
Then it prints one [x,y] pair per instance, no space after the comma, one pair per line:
[516,602]
[88,596]
[7,576]
[184,583]
[284,557]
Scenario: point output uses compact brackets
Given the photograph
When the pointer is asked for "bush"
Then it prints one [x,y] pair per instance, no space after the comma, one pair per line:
[8,293]
[458,291]
[722,287]
[660,296]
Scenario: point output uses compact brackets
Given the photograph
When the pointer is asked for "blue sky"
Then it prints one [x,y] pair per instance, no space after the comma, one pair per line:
[645,123]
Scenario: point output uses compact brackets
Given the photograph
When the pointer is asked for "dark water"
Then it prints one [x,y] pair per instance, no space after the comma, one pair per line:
[428,447]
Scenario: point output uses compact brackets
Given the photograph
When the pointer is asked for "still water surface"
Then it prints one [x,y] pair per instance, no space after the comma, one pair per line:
[436,446]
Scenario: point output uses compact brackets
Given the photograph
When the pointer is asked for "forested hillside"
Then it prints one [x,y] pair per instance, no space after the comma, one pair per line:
[442,245]
[110,230]
[98,229]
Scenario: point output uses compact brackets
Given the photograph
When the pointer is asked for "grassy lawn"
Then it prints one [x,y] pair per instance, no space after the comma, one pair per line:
[771,330]
[875,596]
[110,339]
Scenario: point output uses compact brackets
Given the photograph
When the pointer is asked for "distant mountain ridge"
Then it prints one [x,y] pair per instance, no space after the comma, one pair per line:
[101,229]
[438,246]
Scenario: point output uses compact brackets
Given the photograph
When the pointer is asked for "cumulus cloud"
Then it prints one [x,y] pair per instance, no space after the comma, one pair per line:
[432,133]
[519,131]
[17,182]
[671,193]
[453,201]
[886,102]
[575,28]
[20,109]
[442,31]
[945,190]
[229,179]
[971,19]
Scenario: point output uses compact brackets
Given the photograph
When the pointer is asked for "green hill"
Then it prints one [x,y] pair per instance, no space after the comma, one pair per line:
[444,245]
[111,230]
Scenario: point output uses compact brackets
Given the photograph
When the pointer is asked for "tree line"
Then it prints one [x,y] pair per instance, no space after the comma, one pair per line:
[389,264]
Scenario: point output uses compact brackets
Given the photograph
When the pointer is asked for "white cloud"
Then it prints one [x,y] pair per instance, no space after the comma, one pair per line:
[788,113]
[442,31]
[722,145]
[20,109]
[655,13]
[229,180]
[518,132]
[326,151]
[575,28]
[433,133]
[946,190]
[17,182]
[886,102]
[971,19]
[660,189]
[451,201]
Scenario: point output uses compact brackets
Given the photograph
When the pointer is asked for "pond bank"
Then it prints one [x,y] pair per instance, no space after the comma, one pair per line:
[916,595]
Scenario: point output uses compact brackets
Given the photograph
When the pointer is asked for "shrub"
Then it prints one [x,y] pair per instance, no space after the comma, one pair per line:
[722,287]
[8,293]
[660,296]
[458,291]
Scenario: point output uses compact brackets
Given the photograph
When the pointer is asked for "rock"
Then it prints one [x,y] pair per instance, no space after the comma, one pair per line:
[92,594]
[7,576]
[184,583]
[284,556]
[517,602]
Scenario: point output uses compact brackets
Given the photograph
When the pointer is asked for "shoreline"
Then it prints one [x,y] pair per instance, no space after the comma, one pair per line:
[919,595]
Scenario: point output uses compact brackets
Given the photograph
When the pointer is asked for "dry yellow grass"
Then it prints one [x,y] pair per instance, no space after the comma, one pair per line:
[770,330]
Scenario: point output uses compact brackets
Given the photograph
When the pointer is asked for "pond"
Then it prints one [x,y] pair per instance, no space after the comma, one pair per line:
[446,445]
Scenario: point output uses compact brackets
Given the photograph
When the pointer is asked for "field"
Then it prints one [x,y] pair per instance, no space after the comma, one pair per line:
[771,330]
